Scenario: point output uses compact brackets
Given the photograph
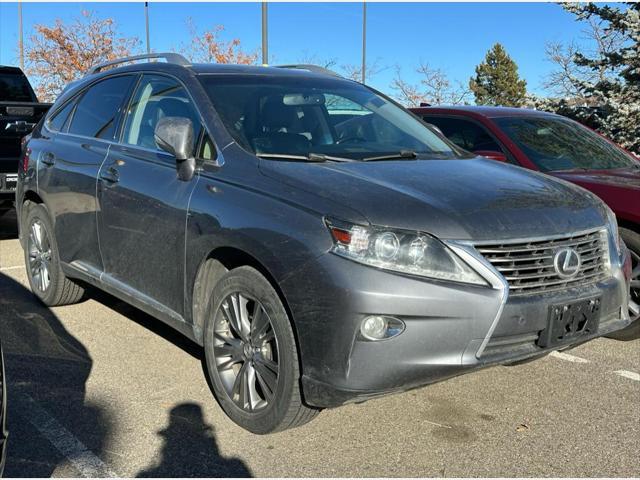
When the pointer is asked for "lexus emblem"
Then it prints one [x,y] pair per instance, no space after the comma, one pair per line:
[567,262]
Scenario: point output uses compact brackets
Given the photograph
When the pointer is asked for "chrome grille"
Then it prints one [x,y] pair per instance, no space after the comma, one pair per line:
[528,266]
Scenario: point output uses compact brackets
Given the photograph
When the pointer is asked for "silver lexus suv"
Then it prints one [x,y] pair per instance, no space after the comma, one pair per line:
[319,241]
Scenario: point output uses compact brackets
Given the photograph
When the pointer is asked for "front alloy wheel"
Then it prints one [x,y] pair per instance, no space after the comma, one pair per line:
[246,352]
[251,354]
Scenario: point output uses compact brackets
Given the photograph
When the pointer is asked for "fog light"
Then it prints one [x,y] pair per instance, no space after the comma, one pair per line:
[379,327]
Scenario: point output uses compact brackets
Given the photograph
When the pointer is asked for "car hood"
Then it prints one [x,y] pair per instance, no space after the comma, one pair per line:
[475,199]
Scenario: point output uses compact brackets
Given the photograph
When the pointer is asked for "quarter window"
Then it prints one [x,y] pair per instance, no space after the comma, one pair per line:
[157,97]
[57,122]
[97,112]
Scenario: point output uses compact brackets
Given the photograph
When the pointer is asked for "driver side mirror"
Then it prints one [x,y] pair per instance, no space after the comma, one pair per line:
[491,154]
[175,135]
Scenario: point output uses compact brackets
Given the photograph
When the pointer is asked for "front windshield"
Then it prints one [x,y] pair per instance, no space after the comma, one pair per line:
[560,144]
[299,116]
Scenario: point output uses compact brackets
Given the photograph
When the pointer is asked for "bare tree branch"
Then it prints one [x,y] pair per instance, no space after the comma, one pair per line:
[206,47]
[434,88]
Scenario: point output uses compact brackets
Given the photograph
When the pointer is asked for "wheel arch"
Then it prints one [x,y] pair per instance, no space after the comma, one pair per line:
[213,266]
[29,196]
[629,225]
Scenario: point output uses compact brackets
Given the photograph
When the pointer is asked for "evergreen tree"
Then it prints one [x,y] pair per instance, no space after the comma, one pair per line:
[617,97]
[497,81]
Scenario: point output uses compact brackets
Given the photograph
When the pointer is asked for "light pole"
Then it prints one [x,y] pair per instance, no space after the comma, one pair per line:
[20,40]
[265,46]
[146,25]
[364,40]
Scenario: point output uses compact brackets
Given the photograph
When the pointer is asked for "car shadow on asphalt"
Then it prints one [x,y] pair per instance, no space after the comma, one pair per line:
[8,226]
[46,370]
[147,321]
[190,449]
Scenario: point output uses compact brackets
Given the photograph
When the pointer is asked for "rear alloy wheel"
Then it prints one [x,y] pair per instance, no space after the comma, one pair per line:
[251,354]
[48,281]
[39,251]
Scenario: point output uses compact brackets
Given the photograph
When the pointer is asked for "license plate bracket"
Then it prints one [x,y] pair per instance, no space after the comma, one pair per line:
[569,321]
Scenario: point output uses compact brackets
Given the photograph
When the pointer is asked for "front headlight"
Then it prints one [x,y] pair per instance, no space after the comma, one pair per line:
[613,229]
[412,253]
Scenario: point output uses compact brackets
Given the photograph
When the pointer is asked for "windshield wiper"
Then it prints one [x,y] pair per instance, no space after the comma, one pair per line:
[312,157]
[286,156]
[319,157]
[401,155]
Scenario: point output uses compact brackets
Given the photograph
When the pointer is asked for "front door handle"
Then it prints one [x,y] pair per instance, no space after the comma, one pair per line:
[48,158]
[110,175]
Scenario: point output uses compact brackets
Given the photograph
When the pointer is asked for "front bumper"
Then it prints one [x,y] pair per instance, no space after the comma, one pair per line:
[451,328]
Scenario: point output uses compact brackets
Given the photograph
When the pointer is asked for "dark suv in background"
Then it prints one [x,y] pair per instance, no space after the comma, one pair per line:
[19,113]
[560,147]
[320,242]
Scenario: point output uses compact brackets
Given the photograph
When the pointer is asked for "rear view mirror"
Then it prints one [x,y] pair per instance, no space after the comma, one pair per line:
[493,155]
[175,135]
[301,99]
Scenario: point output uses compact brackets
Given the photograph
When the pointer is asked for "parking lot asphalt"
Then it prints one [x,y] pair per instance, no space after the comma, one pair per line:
[102,389]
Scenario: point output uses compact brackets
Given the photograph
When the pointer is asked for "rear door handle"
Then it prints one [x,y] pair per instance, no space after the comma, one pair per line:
[48,158]
[110,175]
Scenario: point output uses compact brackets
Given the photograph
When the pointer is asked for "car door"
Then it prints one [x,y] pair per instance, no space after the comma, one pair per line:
[80,134]
[468,134]
[143,203]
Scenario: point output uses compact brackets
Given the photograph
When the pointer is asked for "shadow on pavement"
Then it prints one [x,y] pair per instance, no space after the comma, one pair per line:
[47,369]
[147,321]
[190,449]
[8,225]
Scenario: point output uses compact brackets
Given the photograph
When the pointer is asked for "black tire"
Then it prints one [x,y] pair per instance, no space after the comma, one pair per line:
[632,241]
[59,289]
[285,409]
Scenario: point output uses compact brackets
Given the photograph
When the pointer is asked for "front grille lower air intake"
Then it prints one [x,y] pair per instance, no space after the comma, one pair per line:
[529,267]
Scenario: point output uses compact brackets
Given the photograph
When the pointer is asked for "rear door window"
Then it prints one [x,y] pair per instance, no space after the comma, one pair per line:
[97,112]
[465,133]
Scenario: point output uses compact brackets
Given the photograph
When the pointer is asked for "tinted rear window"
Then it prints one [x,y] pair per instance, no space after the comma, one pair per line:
[15,88]
[97,112]
[464,133]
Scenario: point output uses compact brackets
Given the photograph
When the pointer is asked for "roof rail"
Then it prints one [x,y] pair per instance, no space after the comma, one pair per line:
[170,57]
[310,68]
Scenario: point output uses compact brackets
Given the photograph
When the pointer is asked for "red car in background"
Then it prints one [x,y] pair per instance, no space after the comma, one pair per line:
[556,146]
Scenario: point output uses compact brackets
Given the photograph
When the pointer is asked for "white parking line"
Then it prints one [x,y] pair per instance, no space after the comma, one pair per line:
[568,358]
[15,267]
[83,459]
[627,374]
